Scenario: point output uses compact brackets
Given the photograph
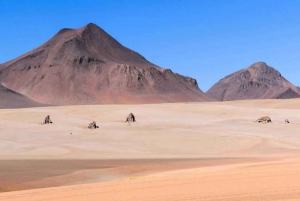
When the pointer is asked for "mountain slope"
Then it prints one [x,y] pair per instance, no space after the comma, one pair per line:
[12,99]
[259,81]
[88,66]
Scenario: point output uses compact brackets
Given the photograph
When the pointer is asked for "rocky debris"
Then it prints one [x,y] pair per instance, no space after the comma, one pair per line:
[130,118]
[265,119]
[47,120]
[93,125]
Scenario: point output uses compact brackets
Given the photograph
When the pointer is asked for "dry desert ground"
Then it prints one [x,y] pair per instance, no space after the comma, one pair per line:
[174,152]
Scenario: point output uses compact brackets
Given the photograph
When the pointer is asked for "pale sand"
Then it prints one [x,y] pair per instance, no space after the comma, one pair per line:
[164,131]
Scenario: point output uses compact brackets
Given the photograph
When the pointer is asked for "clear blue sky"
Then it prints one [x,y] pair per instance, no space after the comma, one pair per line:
[204,39]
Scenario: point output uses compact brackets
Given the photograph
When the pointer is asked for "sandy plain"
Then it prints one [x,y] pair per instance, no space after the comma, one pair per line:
[182,151]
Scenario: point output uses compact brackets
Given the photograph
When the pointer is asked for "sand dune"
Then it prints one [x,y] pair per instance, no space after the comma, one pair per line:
[273,181]
[265,163]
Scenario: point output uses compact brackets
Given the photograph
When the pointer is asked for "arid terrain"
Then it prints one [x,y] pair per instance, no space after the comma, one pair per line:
[175,151]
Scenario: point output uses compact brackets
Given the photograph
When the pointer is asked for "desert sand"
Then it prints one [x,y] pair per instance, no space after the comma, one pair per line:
[180,151]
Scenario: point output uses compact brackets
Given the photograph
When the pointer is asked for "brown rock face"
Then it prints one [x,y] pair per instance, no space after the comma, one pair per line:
[87,66]
[259,81]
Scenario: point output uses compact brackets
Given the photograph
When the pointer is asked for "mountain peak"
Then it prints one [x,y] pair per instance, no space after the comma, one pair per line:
[261,69]
[262,66]
[92,25]
[259,64]
[258,81]
[88,26]
[93,42]
[92,28]
[88,66]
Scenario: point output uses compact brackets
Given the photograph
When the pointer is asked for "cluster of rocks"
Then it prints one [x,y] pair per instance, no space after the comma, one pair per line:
[267,119]
[93,125]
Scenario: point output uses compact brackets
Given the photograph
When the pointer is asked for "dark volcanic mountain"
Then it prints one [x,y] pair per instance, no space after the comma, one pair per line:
[259,81]
[88,66]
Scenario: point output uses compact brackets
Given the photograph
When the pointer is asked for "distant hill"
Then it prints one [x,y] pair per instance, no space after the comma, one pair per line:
[12,99]
[88,66]
[259,81]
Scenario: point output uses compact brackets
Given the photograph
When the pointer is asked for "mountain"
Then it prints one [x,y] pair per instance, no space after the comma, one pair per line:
[88,66]
[12,99]
[259,81]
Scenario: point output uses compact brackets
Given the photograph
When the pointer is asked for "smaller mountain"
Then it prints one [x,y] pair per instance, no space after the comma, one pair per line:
[259,81]
[12,99]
